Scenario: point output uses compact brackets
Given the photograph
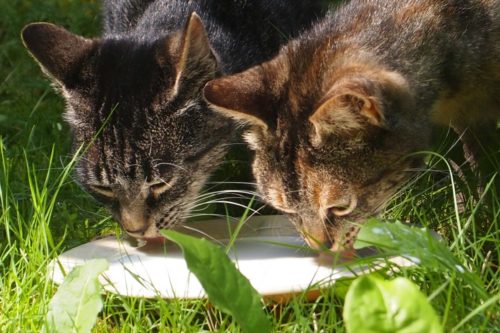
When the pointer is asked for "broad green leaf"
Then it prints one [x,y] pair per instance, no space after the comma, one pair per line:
[417,244]
[374,305]
[225,286]
[77,302]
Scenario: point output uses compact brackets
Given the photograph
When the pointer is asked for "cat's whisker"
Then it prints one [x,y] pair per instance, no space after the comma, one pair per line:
[232,192]
[209,188]
[173,165]
[208,215]
[204,205]
[215,185]
[232,183]
[197,210]
[227,202]
[220,197]
[227,196]
[208,236]
[253,212]
[203,199]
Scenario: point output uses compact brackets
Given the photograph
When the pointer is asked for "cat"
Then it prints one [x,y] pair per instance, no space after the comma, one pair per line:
[336,118]
[134,95]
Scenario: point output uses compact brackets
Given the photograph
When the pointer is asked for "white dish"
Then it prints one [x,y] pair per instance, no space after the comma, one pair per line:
[267,251]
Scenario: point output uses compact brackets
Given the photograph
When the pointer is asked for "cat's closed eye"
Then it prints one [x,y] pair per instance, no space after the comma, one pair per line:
[344,206]
[103,190]
[161,187]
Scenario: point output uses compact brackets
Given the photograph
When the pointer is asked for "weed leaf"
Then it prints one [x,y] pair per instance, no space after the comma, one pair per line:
[374,305]
[77,302]
[225,286]
[415,244]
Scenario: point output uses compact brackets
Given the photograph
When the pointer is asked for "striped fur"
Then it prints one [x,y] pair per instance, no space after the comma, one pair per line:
[134,95]
[335,117]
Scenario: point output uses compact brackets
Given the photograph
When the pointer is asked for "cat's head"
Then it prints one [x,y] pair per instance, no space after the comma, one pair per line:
[135,106]
[332,137]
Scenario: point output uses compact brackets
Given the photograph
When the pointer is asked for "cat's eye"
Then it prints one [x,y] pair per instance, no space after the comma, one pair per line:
[161,187]
[103,190]
[343,208]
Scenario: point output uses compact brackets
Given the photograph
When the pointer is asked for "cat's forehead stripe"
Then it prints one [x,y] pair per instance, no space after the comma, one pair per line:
[287,158]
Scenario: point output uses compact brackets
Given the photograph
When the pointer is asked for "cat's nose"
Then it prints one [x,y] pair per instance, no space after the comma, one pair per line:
[134,222]
[328,244]
[137,232]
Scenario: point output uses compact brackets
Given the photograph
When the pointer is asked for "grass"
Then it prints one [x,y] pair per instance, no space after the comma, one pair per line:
[43,212]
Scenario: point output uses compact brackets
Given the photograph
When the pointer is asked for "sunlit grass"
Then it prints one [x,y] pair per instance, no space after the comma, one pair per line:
[43,212]
[37,224]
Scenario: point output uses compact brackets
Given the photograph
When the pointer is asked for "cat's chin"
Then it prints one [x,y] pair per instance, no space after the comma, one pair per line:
[332,258]
[154,240]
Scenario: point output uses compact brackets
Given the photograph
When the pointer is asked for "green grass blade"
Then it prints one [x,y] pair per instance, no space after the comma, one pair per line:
[417,244]
[489,303]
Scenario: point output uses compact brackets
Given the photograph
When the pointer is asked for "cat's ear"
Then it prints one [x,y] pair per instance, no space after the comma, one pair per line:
[243,97]
[346,110]
[195,55]
[57,50]
[356,102]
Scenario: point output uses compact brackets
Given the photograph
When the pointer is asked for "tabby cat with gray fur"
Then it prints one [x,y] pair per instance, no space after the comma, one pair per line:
[336,117]
[134,98]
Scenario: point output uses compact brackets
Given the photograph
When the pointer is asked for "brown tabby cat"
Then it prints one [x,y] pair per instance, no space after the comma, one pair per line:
[336,116]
